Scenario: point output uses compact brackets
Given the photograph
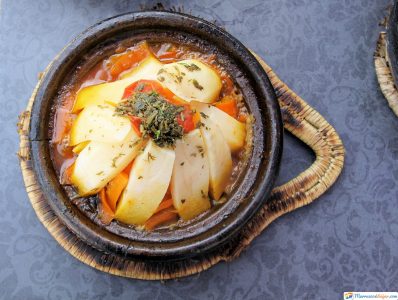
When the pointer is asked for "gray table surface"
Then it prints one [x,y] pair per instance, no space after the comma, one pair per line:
[347,240]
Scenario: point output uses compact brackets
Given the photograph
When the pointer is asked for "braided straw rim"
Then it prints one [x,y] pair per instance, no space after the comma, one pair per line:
[384,75]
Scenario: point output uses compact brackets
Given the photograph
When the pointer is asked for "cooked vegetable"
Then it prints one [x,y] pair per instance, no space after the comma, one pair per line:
[191,80]
[79,147]
[115,188]
[106,214]
[228,105]
[233,131]
[219,157]
[190,179]
[166,203]
[99,162]
[161,217]
[148,182]
[112,92]
[155,140]
[119,63]
[99,123]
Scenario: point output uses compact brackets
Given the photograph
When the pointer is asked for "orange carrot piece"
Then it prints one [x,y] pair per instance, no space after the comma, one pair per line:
[160,218]
[114,189]
[196,118]
[228,104]
[242,118]
[169,54]
[166,203]
[124,61]
[127,170]
[106,214]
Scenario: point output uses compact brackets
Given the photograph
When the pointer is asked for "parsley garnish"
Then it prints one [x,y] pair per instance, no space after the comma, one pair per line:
[191,67]
[159,117]
[197,85]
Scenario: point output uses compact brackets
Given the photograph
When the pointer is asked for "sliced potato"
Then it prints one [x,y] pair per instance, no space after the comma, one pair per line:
[148,183]
[190,179]
[112,92]
[219,157]
[191,80]
[234,131]
[98,123]
[100,162]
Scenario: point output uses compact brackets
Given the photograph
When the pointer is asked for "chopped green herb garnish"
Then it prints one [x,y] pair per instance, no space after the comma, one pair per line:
[159,117]
[116,158]
[197,85]
[191,67]
[201,150]
[204,115]
[134,143]
[100,173]
[151,157]
[199,124]
[140,87]
[140,177]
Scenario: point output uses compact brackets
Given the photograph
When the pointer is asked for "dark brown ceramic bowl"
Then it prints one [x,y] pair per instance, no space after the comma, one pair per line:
[220,224]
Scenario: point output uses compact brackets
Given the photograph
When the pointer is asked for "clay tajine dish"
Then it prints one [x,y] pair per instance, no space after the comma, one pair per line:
[219,224]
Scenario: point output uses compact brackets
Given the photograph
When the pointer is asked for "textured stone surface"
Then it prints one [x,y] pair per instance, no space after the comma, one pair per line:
[346,240]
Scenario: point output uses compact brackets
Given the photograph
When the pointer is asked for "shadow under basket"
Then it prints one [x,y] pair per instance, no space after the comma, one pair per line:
[298,117]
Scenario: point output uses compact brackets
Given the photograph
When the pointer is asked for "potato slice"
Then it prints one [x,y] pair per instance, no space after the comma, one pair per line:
[112,92]
[191,80]
[234,131]
[148,182]
[98,123]
[219,156]
[190,179]
[100,162]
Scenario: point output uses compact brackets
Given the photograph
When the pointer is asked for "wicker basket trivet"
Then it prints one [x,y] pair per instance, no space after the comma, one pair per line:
[384,75]
[299,118]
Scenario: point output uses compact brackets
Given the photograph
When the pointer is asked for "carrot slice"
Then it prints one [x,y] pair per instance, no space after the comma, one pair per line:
[127,170]
[106,214]
[242,118]
[162,217]
[166,203]
[168,55]
[114,189]
[119,63]
[228,104]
